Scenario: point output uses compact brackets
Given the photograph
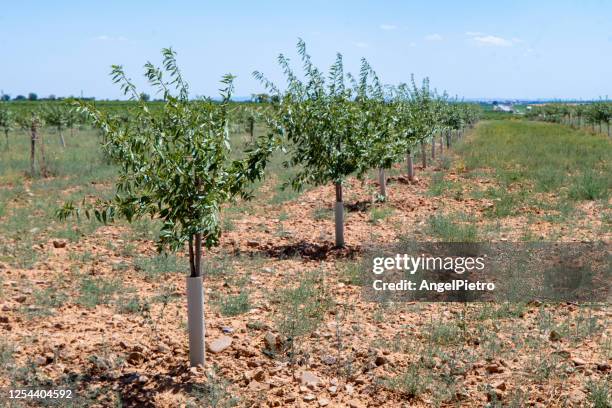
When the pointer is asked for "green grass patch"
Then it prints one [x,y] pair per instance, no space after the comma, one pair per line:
[98,291]
[450,228]
[539,157]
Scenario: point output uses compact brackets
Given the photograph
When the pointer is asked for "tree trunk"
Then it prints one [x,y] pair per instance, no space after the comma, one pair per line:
[441,145]
[41,148]
[7,139]
[382,182]
[195,304]
[449,136]
[608,131]
[61,136]
[423,155]
[410,166]
[33,151]
[339,216]
[252,129]
[433,148]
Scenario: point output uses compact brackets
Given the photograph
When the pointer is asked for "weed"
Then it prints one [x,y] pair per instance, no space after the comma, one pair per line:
[45,301]
[599,393]
[444,333]
[131,305]
[217,266]
[321,213]
[97,291]
[378,214]
[302,308]
[234,305]
[214,393]
[6,355]
[412,383]
[590,186]
[160,264]
[352,273]
[449,230]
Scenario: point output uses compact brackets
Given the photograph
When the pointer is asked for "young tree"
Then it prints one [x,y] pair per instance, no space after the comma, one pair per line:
[376,124]
[56,115]
[31,122]
[6,121]
[319,120]
[417,119]
[175,165]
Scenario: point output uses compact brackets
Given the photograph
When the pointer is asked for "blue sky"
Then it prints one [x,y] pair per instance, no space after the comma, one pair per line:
[474,49]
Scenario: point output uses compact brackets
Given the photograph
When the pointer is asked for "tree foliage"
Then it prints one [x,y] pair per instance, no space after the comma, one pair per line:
[173,164]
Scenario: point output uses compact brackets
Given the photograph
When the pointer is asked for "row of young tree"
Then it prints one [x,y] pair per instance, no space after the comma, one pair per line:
[591,115]
[60,117]
[174,162]
[336,125]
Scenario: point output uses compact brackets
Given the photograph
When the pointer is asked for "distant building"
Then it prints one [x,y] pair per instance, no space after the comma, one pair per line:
[503,108]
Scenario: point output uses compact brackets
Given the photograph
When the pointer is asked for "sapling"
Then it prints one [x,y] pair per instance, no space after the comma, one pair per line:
[377,124]
[320,122]
[174,165]
[31,122]
[417,119]
[6,121]
[57,116]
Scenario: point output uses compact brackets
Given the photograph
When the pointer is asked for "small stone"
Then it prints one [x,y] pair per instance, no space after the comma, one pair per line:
[309,379]
[6,308]
[59,244]
[603,367]
[494,368]
[162,348]
[252,243]
[40,360]
[499,385]
[4,319]
[329,360]
[135,358]
[578,361]
[323,402]
[259,375]
[267,270]
[20,299]
[380,360]
[227,330]
[257,386]
[291,397]
[333,390]
[309,397]
[272,342]
[356,404]
[349,389]
[220,344]
[143,379]
[554,336]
